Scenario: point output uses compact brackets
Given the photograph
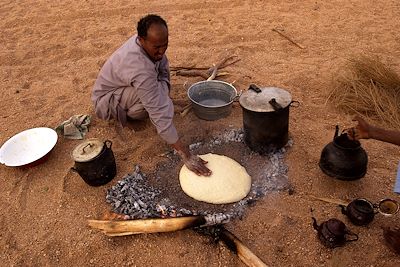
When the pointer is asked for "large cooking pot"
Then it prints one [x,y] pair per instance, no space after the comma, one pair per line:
[94,161]
[344,158]
[212,100]
[266,117]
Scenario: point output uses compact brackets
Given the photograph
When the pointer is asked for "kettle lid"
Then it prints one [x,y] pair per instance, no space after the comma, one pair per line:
[87,150]
[260,102]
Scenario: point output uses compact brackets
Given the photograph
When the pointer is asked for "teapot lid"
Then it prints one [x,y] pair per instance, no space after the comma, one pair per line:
[88,150]
[260,102]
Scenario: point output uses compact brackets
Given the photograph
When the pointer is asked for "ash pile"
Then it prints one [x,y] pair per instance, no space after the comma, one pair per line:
[158,194]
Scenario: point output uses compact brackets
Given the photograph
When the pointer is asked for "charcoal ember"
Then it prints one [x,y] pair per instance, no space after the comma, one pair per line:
[195,145]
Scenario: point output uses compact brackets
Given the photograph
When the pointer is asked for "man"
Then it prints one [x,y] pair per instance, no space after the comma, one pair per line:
[363,130]
[134,83]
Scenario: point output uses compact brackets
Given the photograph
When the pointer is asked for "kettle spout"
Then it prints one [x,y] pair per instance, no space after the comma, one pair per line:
[315,225]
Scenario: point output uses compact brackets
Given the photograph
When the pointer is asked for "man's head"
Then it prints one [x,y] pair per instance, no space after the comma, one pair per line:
[153,36]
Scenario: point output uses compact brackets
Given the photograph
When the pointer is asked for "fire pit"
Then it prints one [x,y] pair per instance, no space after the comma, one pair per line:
[159,195]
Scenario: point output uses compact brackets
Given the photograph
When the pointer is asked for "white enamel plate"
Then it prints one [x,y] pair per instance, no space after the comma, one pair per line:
[28,146]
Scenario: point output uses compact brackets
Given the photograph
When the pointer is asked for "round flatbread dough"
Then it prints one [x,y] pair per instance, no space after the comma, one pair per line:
[229,181]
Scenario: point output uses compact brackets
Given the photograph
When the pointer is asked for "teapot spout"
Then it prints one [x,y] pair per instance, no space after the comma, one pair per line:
[315,225]
[336,132]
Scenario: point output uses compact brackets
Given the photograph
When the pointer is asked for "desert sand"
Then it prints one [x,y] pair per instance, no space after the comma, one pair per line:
[50,54]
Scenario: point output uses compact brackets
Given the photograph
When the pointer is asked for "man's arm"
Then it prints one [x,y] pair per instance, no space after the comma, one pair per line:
[364,131]
[154,96]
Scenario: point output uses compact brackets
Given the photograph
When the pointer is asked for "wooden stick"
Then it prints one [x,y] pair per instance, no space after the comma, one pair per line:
[288,38]
[177,68]
[214,69]
[186,111]
[237,247]
[192,73]
[131,227]
[222,64]
[213,74]
[330,200]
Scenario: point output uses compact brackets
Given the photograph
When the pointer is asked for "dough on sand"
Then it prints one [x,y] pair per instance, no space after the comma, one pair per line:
[229,181]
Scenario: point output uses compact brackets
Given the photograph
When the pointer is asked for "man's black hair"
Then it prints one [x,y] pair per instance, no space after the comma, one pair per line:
[145,23]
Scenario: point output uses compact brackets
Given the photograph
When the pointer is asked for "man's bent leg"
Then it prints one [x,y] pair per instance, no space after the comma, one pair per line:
[131,103]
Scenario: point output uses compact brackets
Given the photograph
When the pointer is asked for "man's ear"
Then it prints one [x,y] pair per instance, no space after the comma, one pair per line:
[141,40]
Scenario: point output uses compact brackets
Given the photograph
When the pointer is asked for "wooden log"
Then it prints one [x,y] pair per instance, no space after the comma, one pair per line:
[131,227]
[244,253]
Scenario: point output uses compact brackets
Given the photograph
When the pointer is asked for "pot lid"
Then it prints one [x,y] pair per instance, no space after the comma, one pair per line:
[87,150]
[260,102]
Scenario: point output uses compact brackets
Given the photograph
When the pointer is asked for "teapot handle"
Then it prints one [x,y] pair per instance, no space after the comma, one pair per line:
[108,143]
[315,225]
[336,132]
[350,233]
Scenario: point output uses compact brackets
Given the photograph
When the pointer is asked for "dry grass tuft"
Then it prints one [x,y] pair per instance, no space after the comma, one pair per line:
[367,87]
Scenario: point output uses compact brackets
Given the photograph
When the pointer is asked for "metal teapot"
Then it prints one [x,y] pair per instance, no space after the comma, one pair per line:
[343,158]
[361,211]
[333,233]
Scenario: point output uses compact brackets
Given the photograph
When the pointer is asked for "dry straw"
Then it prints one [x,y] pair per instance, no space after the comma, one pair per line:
[367,87]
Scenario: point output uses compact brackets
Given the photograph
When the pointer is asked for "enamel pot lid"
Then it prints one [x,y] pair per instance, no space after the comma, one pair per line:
[88,150]
[266,99]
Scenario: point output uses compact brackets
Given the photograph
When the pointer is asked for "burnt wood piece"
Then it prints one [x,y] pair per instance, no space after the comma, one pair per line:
[131,227]
[237,247]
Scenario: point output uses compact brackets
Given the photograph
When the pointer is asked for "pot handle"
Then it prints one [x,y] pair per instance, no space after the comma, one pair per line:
[350,233]
[108,143]
[236,97]
[275,104]
[294,104]
[255,88]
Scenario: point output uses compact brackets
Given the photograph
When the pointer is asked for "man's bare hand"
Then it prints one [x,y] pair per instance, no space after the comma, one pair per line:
[361,131]
[197,165]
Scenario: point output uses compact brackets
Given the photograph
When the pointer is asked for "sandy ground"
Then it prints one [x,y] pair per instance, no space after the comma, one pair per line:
[50,54]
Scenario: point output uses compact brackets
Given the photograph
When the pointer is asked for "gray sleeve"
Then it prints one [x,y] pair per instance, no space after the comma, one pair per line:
[154,95]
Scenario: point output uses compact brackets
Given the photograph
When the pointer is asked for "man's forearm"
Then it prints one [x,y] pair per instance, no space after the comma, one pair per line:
[182,149]
[388,136]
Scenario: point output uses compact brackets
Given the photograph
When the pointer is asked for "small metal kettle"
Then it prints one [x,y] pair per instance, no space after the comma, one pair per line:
[333,233]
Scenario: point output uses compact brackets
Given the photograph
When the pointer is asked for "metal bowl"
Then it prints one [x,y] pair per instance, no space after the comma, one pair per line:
[28,148]
[212,100]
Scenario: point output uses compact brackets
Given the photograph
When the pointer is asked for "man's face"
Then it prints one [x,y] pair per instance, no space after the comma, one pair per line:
[156,42]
